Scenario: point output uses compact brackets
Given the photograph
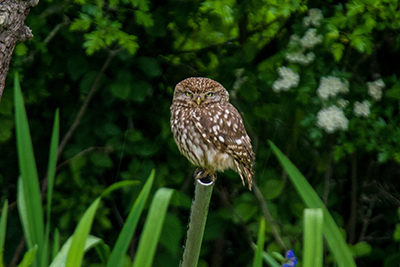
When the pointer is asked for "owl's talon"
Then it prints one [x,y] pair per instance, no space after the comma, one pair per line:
[205,176]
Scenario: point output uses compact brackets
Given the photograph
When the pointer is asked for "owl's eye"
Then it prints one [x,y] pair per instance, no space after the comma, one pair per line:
[188,93]
[209,94]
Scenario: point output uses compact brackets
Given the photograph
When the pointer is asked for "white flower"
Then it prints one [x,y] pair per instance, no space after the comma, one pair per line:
[239,72]
[342,103]
[332,119]
[330,86]
[315,16]
[306,21]
[375,89]
[299,57]
[288,79]
[311,39]
[238,82]
[362,109]
[294,40]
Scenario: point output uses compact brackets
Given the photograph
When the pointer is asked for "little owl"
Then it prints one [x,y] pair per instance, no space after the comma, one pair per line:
[209,131]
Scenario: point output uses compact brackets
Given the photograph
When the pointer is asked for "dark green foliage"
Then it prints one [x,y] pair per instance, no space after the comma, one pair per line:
[131,54]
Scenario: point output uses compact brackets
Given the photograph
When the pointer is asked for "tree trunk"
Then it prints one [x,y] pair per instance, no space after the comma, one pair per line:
[12,30]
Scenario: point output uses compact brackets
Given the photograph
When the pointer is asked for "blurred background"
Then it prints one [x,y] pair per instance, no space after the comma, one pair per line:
[318,78]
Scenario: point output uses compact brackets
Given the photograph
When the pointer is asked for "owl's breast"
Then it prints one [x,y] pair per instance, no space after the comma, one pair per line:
[194,146]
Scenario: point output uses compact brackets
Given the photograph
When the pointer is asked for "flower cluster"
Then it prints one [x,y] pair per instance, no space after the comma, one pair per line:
[375,89]
[313,18]
[342,103]
[294,40]
[299,57]
[311,39]
[239,79]
[332,119]
[290,259]
[288,79]
[330,86]
[362,109]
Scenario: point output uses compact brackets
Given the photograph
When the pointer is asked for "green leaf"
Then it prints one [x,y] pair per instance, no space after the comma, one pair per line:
[150,66]
[313,245]
[3,224]
[337,51]
[21,49]
[29,257]
[101,160]
[354,9]
[121,90]
[144,18]
[79,239]
[50,178]
[394,92]
[81,24]
[257,262]
[246,210]
[152,228]
[75,253]
[119,185]
[396,234]
[61,256]
[333,236]
[87,81]
[361,249]
[267,258]
[270,260]
[56,244]
[141,89]
[128,42]
[94,42]
[272,188]
[33,225]
[125,236]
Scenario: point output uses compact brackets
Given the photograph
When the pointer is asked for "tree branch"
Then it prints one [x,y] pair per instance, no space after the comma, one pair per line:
[85,104]
[268,216]
[12,30]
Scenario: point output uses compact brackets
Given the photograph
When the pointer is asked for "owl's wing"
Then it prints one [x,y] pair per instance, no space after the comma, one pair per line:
[222,125]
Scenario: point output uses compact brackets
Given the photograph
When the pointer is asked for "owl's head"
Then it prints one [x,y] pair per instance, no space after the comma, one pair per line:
[199,92]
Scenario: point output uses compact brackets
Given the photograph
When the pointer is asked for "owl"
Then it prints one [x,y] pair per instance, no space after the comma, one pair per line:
[209,131]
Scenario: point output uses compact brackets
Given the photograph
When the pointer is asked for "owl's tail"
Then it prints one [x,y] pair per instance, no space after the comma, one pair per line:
[247,172]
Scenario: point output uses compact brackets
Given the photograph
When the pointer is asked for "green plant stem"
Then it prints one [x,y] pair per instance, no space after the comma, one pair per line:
[268,216]
[197,223]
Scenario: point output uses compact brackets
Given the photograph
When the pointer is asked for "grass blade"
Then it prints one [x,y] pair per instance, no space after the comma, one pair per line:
[313,246]
[257,262]
[77,248]
[334,238]
[152,228]
[29,257]
[75,254]
[117,186]
[61,257]
[56,244]
[51,171]
[124,238]
[267,257]
[3,224]
[29,175]
[270,260]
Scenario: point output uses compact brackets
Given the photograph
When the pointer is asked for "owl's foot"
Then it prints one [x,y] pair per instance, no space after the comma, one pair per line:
[205,176]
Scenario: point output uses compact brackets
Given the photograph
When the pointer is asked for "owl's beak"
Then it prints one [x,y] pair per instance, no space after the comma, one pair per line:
[198,100]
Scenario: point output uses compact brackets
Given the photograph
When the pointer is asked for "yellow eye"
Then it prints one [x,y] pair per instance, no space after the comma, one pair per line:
[209,94]
[188,93]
